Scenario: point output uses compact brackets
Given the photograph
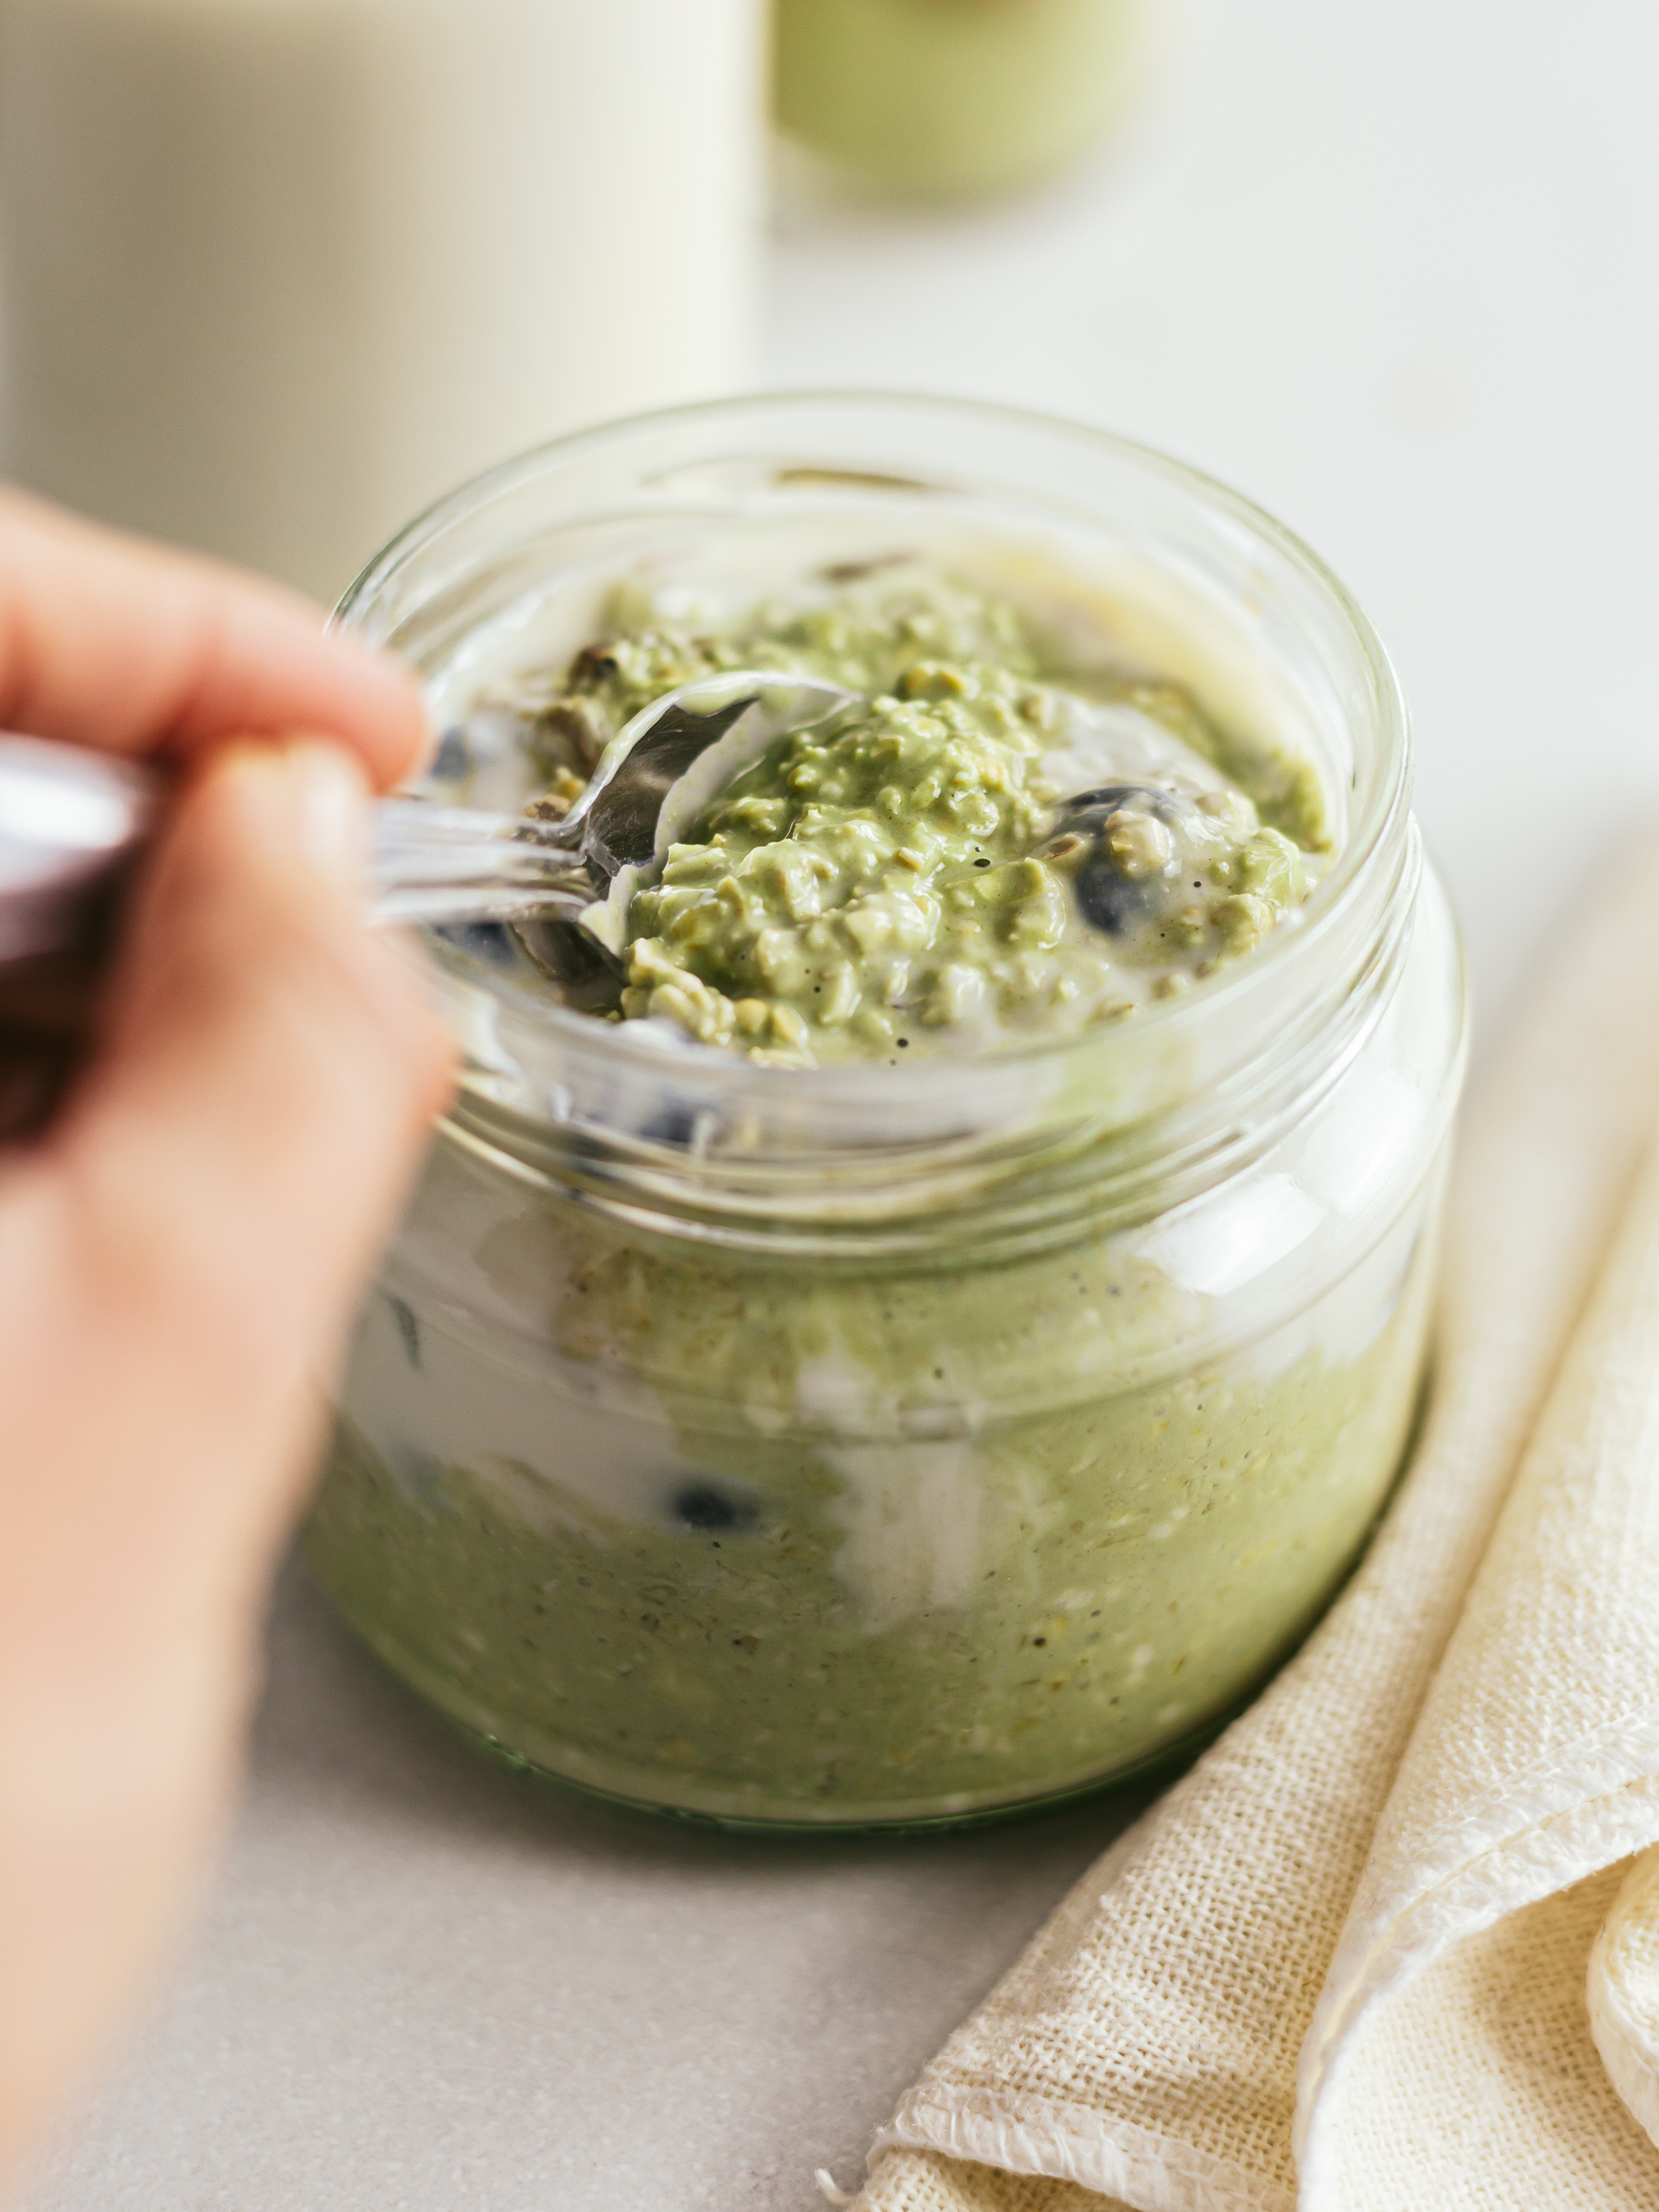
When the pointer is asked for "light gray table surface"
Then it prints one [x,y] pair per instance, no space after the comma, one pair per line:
[1391,270]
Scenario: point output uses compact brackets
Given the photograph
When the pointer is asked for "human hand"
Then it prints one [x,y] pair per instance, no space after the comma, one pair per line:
[181,1251]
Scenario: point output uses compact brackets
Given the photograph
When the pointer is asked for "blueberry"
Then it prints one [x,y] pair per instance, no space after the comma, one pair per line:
[671,1125]
[711,1511]
[453,758]
[1108,899]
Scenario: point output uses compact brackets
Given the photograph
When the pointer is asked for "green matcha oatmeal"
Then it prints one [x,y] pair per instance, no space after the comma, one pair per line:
[974,849]
[930,1332]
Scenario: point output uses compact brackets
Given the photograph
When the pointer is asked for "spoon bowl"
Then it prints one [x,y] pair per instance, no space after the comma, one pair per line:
[652,782]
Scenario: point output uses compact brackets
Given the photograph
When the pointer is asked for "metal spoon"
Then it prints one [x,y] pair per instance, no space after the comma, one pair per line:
[653,781]
[71,821]
[68,821]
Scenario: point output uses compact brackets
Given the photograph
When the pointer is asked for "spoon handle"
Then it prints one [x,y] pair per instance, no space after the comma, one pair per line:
[71,821]
[433,863]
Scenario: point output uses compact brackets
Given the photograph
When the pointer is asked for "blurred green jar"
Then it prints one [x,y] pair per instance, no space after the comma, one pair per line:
[937,98]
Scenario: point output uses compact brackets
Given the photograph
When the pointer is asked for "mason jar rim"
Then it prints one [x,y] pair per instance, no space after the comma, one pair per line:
[1377,823]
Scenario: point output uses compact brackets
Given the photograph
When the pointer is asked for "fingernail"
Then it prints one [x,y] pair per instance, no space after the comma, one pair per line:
[309,798]
[331,813]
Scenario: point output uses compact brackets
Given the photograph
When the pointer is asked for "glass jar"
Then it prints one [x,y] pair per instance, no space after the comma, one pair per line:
[941,98]
[880,1444]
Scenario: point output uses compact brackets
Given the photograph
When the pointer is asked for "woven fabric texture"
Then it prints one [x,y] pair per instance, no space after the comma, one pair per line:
[1495,2094]
[1413,1798]
[1623,1992]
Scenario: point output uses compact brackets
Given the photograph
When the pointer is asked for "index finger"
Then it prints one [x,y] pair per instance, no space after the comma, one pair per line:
[107,641]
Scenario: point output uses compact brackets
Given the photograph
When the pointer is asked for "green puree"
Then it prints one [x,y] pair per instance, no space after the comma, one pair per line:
[910,875]
[798,1540]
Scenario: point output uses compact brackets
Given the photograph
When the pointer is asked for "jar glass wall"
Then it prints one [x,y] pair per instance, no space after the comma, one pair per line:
[864,1444]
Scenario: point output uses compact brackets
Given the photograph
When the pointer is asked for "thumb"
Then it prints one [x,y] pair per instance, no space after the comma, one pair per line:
[269,1071]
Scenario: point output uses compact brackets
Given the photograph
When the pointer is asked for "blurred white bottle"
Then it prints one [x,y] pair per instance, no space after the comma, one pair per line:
[276,273]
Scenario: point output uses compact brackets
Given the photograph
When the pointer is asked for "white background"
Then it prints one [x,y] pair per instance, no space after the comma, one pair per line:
[1391,270]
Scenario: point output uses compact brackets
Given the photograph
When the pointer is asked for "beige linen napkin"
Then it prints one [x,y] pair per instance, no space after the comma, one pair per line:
[1393,1857]
[1624,1992]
